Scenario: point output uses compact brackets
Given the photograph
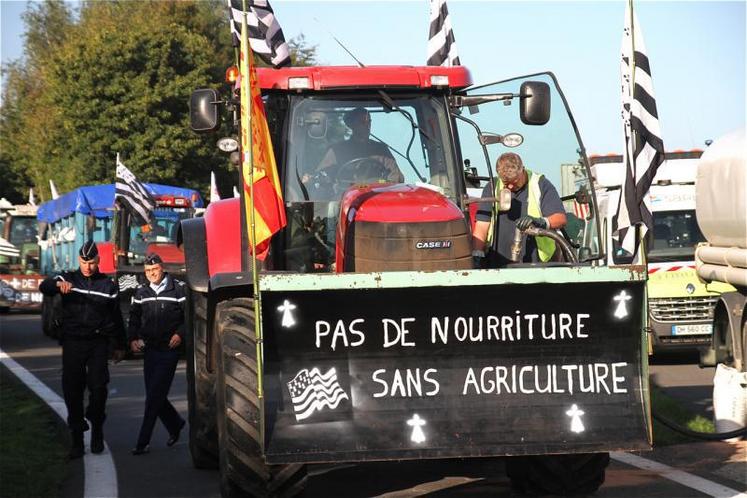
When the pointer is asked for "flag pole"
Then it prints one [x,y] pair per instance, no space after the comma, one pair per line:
[633,134]
[248,162]
[649,341]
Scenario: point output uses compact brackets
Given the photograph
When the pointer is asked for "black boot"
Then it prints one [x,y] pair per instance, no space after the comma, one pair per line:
[97,439]
[76,445]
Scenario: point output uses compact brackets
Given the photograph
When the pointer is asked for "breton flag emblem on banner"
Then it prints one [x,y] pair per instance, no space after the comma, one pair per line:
[133,194]
[127,281]
[265,36]
[311,391]
[442,50]
[644,148]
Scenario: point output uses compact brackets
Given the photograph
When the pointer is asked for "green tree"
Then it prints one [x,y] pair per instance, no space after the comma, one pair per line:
[302,54]
[24,120]
[116,78]
[127,91]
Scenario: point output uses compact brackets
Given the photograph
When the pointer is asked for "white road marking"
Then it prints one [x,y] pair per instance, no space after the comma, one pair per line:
[691,481]
[100,474]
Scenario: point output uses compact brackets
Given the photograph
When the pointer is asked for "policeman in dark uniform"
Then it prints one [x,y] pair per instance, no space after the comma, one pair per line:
[157,328]
[91,327]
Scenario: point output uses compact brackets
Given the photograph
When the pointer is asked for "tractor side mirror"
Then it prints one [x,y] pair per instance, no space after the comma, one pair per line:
[316,123]
[535,102]
[203,110]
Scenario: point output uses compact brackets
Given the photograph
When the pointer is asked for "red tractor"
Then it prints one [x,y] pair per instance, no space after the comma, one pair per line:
[378,339]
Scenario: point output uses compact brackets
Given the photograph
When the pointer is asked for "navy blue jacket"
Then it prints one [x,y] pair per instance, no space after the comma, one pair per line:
[154,318]
[91,308]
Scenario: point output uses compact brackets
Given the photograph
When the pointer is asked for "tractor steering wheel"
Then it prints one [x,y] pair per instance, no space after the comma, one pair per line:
[361,170]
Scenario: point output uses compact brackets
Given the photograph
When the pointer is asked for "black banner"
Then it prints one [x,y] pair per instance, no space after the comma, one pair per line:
[453,371]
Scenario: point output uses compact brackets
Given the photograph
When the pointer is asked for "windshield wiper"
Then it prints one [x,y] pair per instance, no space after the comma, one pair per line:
[392,105]
[389,102]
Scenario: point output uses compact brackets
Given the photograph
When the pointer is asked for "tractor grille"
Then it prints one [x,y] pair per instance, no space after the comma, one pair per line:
[399,246]
[677,309]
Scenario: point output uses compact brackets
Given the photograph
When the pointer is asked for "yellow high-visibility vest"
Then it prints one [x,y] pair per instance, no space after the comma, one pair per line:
[545,245]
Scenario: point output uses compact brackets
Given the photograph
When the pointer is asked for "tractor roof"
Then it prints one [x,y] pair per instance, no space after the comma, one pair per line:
[352,77]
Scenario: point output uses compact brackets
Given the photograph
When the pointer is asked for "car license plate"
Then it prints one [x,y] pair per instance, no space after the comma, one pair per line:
[700,329]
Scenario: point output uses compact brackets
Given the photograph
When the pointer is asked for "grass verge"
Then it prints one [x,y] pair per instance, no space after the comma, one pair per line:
[673,410]
[33,456]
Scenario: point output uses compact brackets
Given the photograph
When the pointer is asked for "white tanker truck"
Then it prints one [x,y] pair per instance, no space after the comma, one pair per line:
[721,210]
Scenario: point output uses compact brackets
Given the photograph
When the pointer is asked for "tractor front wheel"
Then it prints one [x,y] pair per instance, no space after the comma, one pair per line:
[243,471]
[565,475]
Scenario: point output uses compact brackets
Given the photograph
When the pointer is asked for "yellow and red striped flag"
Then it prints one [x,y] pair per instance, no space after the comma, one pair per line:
[269,211]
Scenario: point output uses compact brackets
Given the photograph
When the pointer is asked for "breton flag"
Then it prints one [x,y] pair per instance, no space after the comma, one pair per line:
[8,249]
[261,177]
[214,195]
[265,35]
[644,149]
[311,391]
[53,190]
[442,50]
[133,194]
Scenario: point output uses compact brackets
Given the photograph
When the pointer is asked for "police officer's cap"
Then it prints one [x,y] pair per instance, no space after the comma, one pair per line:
[88,251]
[153,259]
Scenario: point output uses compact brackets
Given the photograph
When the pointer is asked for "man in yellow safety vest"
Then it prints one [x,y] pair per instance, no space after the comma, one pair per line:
[534,202]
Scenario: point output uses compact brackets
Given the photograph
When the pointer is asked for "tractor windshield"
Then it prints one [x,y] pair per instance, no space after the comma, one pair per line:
[22,230]
[553,150]
[161,230]
[335,142]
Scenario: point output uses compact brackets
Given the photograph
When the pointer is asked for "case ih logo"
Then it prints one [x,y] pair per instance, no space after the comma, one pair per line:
[433,244]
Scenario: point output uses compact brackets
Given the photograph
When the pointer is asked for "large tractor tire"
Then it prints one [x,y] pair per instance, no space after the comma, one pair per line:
[565,475]
[203,436]
[243,471]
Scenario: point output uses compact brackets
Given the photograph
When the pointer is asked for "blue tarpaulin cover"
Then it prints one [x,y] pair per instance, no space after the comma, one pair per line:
[98,200]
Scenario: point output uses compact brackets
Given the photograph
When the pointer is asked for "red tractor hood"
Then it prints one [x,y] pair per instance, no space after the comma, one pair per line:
[169,252]
[397,203]
[388,204]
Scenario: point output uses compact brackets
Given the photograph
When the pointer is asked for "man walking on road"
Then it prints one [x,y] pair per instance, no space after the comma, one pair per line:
[91,326]
[157,328]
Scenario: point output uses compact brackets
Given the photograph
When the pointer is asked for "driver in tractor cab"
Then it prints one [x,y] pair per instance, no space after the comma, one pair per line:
[358,159]
[534,202]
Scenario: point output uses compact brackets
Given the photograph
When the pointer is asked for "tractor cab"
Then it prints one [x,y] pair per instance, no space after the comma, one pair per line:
[341,129]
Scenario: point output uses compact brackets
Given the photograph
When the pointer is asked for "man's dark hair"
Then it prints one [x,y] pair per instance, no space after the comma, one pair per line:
[353,116]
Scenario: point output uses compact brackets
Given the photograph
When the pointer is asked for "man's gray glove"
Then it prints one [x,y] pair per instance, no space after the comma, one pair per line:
[528,221]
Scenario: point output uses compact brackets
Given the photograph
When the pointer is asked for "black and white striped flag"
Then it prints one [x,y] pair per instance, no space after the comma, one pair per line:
[265,36]
[133,195]
[644,148]
[442,50]
[311,391]
[8,249]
